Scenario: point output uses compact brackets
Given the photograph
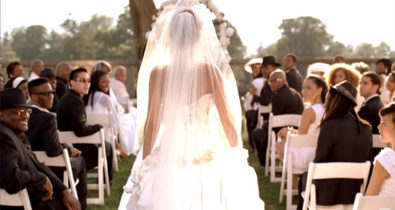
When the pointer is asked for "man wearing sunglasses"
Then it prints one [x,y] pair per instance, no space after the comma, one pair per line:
[19,167]
[71,116]
[43,135]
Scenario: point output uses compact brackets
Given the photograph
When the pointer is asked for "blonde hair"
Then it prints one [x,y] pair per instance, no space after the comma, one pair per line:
[99,66]
[352,75]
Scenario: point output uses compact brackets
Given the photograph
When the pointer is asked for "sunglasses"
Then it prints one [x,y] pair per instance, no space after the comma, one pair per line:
[83,80]
[22,111]
[47,94]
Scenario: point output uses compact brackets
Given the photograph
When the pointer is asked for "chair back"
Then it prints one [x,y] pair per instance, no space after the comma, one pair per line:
[262,110]
[333,170]
[20,198]
[379,202]
[71,138]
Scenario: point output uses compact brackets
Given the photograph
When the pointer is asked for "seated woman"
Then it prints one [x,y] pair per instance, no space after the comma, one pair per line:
[251,109]
[343,137]
[314,92]
[99,101]
[382,181]
[18,82]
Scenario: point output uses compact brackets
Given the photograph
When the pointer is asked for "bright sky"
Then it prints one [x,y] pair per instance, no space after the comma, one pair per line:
[350,21]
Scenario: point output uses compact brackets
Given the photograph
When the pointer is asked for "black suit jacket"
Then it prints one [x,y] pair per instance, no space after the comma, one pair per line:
[286,101]
[61,87]
[43,135]
[370,112]
[340,141]
[295,79]
[19,167]
[266,95]
[71,115]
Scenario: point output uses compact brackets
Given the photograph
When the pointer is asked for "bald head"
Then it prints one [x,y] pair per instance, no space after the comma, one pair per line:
[277,80]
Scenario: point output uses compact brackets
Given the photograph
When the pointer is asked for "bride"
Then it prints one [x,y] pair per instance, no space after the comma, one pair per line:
[192,156]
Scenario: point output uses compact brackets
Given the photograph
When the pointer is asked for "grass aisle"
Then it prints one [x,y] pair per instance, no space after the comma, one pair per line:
[269,192]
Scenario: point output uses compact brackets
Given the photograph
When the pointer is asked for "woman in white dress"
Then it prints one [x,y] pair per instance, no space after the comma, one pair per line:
[314,93]
[382,181]
[99,101]
[191,121]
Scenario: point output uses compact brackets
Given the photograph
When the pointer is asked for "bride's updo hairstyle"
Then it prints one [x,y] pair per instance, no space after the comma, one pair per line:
[185,27]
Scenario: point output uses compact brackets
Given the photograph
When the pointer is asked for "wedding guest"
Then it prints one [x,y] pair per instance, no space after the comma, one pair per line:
[2,81]
[319,69]
[369,88]
[391,86]
[14,69]
[314,93]
[37,66]
[338,59]
[43,134]
[343,137]
[382,181]
[253,67]
[361,67]
[19,167]
[20,83]
[344,72]
[62,70]
[294,78]
[280,93]
[71,116]
[383,68]
[103,66]
[117,82]
[99,101]
[50,75]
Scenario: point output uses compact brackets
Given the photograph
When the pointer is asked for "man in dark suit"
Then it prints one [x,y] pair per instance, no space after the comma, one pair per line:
[369,87]
[43,135]
[63,70]
[19,167]
[50,75]
[284,100]
[294,78]
[71,116]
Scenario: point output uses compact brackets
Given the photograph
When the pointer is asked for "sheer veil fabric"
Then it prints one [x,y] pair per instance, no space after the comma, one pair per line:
[189,116]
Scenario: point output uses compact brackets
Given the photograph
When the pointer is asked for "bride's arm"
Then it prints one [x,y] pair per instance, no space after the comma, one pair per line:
[228,123]
[153,113]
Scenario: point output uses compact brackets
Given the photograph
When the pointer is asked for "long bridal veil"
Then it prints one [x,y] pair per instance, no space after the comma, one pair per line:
[184,66]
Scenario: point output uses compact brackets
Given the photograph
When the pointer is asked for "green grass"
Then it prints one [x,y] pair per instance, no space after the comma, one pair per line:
[269,192]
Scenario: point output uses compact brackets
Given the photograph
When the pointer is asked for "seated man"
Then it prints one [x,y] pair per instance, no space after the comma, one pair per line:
[62,70]
[50,75]
[19,167]
[284,100]
[71,116]
[43,134]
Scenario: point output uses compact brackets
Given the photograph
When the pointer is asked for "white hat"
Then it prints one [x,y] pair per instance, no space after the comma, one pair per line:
[248,65]
[318,68]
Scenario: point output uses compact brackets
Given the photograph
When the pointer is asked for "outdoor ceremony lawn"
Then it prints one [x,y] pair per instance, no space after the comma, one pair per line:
[269,192]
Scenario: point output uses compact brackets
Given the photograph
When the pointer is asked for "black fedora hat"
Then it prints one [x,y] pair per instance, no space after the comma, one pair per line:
[12,98]
[347,90]
[269,60]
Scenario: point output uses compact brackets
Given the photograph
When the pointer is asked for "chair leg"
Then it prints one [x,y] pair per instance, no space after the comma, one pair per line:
[267,154]
[283,175]
[106,176]
[289,184]
[115,158]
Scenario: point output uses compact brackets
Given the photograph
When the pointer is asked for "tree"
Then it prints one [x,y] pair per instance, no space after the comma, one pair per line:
[383,50]
[29,43]
[7,53]
[303,36]
[365,50]
[141,13]
[336,48]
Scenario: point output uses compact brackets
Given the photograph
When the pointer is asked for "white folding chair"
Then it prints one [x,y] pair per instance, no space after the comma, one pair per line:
[294,141]
[263,110]
[377,143]
[20,198]
[60,161]
[106,121]
[277,121]
[333,170]
[96,138]
[378,202]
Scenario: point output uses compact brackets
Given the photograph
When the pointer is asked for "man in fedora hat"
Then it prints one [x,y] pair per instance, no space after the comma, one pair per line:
[19,167]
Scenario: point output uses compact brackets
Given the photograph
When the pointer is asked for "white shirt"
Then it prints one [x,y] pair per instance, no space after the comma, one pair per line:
[118,88]
[33,76]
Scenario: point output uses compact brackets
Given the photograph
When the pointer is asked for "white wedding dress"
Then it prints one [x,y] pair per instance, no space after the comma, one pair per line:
[219,178]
